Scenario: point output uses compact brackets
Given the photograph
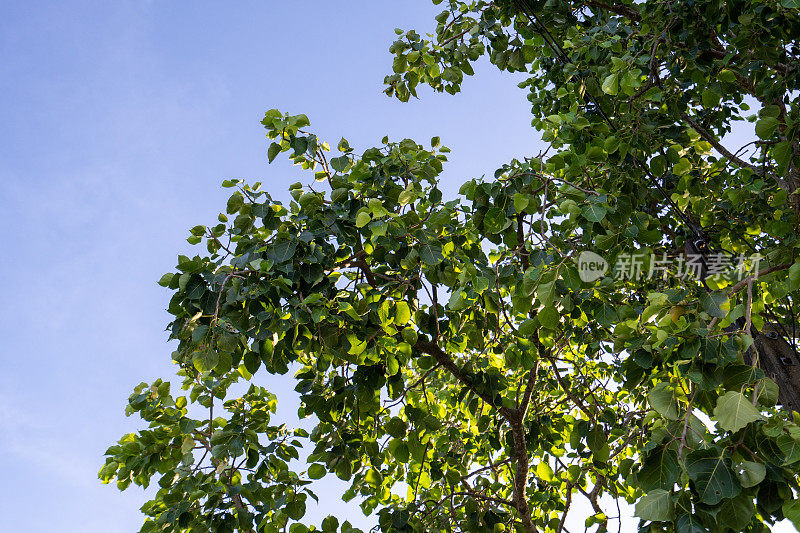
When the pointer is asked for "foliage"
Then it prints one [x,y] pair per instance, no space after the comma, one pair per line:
[460,372]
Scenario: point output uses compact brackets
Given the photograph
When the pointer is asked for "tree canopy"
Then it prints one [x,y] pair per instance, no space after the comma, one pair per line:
[474,363]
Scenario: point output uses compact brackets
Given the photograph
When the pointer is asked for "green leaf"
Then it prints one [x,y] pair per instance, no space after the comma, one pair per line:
[407,196]
[339,164]
[737,512]
[736,376]
[347,308]
[188,444]
[357,346]
[224,363]
[782,152]
[252,361]
[611,84]
[205,360]
[495,220]
[660,470]
[794,276]
[596,154]
[790,447]
[766,127]
[299,121]
[235,203]
[521,201]
[546,292]
[683,166]
[396,427]
[544,471]
[605,241]
[791,510]
[402,313]
[662,399]
[219,451]
[573,473]
[611,144]
[373,478]
[282,252]
[713,477]
[728,76]
[401,453]
[296,509]
[431,254]
[750,473]
[457,302]
[273,151]
[317,471]
[596,439]
[767,392]
[392,366]
[594,212]
[362,219]
[716,304]
[689,524]
[710,98]
[655,506]
[602,455]
[340,194]
[528,327]
[734,411]
[410,336]
[555,119]
[548,317]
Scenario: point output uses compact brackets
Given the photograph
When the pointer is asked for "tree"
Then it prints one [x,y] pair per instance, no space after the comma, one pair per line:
[466,368]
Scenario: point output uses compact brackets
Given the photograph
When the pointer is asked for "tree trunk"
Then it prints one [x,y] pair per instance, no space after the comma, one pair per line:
[776,357]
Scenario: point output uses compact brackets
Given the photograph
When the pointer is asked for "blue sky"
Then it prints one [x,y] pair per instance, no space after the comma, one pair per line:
[118,122]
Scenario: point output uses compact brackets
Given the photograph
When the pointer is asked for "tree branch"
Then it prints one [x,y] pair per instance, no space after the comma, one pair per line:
[511,415]
[523,252]
[521,476]
[705,134]
[479,496]
[736,288]
[447,362]
[567,503]
[526,397]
